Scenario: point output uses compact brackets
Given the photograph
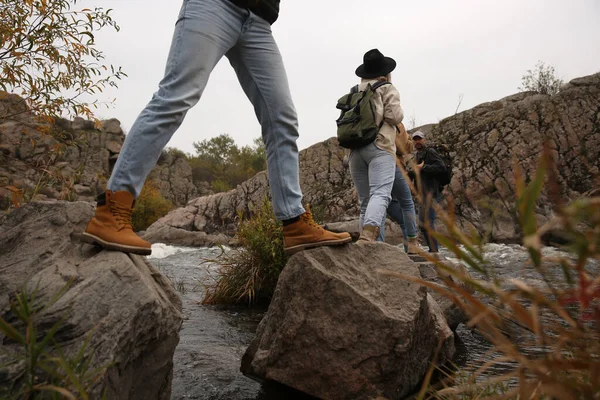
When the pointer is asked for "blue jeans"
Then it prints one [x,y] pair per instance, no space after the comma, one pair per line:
[372,171]
[205,31]
[401,209]
[428,211]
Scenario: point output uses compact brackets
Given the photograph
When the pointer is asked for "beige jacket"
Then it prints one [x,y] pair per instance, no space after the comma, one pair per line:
[387,108]
[404,146]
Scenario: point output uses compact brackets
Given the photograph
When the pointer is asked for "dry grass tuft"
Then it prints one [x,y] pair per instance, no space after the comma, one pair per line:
[249,274]
[557,354]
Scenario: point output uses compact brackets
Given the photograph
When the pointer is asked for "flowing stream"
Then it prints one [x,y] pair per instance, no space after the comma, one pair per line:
[214,338]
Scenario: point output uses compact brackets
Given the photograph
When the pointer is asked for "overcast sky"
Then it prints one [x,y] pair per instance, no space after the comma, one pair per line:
[444,48]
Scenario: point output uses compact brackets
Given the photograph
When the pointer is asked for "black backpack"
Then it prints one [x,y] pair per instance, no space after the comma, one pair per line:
[444,152]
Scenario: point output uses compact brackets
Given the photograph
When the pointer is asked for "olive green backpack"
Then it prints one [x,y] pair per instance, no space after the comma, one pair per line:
[356,125]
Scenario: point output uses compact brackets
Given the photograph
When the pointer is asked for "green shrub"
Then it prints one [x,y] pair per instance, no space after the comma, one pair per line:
[559,357]
[249,274]
[541,79]
[42,369]
[171,154]
[218,186]
[149,206]
[223,164]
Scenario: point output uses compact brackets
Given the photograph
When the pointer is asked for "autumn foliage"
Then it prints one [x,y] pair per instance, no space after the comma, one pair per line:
[555,352]
[149,206]
[223,164]
[48,55]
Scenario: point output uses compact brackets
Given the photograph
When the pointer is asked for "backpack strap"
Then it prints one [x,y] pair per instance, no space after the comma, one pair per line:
[353,90]
[376,86]
[345,107]
[379,84]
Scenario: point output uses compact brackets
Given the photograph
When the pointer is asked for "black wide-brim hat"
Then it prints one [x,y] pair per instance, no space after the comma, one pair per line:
[375,64]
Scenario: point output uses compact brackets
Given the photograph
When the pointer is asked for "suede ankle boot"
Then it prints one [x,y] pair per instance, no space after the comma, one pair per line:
[369,233]
[413,246]
[111,226]
[306,233]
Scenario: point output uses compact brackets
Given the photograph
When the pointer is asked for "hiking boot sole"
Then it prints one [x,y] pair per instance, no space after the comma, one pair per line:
[294,249]
[95,240]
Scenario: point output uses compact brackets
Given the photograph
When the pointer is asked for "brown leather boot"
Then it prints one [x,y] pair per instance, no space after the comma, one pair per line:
[306,233]
[111,226]
[413,246]
[369,233]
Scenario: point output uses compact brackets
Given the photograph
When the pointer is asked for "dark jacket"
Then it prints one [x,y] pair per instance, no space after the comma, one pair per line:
[433,167]
[266,9]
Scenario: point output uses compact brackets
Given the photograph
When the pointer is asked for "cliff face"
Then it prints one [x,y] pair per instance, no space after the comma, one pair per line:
[326,184]
[173,176]
[484,142]
[70,160]
[487,140]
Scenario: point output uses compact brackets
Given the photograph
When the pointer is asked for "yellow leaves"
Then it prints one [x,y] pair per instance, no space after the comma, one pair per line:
[16,196]
[50,50]
[149,206]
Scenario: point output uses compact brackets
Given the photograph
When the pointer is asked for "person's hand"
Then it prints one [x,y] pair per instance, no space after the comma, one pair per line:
[419,166]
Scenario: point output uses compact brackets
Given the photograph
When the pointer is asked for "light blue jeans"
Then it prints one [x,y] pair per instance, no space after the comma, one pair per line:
[401,209]
[372,171]
[205,31]
[427,216]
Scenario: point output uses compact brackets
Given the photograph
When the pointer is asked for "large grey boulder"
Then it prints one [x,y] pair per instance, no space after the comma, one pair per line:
[177,228]
[339,329]
[126,306]
[453,314]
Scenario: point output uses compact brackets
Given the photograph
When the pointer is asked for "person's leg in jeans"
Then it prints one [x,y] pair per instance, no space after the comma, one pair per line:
[401,191]
[402,209]
[260,70]
[427,216]
[395,213]
[359,170]
[379,181]
[422,212]
[433,244]
[205,30]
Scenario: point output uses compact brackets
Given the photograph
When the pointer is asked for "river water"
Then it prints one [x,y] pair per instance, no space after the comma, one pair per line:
[214,338]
